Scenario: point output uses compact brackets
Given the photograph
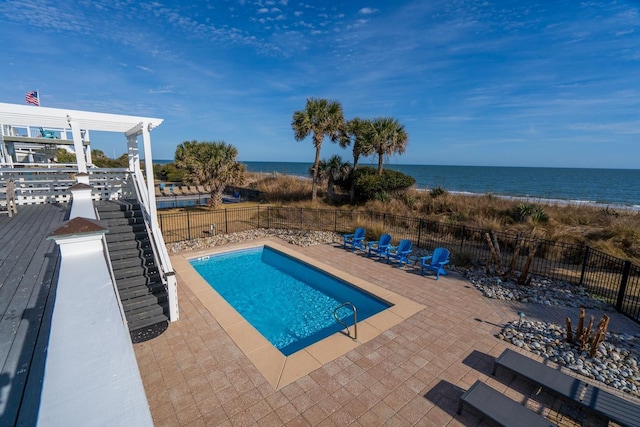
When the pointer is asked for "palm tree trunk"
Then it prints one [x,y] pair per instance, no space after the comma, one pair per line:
[330,188]
[380,164]
[314,183]
[352,190]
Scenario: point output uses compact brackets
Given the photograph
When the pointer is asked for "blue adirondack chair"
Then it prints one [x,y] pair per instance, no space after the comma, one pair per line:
[435,262]
[354,239]
[379,247]
[400,253]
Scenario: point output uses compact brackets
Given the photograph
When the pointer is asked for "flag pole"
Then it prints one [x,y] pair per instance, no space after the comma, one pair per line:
[39,99]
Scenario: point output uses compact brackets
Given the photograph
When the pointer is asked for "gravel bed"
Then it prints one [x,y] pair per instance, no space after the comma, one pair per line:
[615,363]
[294,237]
[617,358]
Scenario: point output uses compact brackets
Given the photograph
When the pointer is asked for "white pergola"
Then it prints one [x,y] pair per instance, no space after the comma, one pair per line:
[130,126]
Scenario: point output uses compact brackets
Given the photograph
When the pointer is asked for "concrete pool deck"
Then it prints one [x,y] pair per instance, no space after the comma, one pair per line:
[196,374]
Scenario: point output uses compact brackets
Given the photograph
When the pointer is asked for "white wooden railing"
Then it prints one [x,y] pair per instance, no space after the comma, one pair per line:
[159,247]
[50,185]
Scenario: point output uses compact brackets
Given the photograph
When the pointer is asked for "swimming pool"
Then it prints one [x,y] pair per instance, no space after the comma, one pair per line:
[290,302]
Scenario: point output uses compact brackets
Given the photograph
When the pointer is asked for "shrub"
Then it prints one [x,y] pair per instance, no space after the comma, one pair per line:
[524,212]
[168,172]
[437,192]
[369,185]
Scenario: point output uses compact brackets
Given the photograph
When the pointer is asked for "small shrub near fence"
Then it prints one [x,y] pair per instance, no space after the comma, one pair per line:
[615,280]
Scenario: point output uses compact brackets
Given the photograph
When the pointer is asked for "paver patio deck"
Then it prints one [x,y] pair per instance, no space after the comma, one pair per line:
[412,374]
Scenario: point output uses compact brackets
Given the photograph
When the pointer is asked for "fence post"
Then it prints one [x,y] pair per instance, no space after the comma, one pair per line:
[419,232]
[258,216]
[464,232]
[226,223]
[160,218]
[335,221]
[585,260]
[268,217]
[188,226]
[623,285]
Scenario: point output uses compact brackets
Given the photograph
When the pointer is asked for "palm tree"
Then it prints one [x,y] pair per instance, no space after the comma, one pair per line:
[357,131]
[210,164]
[333,170]
[321,118]
[387,137]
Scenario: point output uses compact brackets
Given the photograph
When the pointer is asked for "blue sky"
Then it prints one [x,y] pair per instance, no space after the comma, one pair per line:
[489,83]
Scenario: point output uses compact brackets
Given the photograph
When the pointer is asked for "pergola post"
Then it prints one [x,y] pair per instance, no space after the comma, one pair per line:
[78,147]
[148,166]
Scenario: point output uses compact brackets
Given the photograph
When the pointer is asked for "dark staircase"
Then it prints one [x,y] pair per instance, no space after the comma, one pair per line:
[137,275]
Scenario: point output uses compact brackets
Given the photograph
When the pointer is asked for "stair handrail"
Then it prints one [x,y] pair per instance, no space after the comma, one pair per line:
[158,246]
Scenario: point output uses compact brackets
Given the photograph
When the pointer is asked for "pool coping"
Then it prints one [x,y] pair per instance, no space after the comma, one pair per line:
[280,370]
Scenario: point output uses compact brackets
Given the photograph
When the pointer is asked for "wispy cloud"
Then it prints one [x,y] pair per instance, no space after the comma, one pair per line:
[471,77]
[368,11]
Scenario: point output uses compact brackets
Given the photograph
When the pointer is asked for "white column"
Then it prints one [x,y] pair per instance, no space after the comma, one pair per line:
[85,138]
[77,146]
[148,166]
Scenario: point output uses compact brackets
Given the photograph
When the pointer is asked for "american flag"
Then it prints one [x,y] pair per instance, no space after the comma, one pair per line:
[32,98]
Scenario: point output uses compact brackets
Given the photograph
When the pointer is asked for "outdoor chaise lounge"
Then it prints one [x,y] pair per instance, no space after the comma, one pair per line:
[499,408]
[591,398]
[47,134]
[166,190]
[379,247]
[354,240]
[435,262]
[400,253]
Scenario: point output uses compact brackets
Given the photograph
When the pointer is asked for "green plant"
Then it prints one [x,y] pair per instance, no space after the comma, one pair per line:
[437,192]
[368,184]
[524,212]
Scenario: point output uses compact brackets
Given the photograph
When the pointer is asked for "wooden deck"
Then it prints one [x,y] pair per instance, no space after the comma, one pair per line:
[28,273]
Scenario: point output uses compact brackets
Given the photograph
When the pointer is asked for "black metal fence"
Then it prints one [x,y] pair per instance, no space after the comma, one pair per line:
[615,280]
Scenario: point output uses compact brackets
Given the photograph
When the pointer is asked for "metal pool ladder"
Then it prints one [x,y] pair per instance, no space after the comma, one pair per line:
[355,319]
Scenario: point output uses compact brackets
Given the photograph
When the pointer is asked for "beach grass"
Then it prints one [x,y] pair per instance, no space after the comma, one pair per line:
[616,232]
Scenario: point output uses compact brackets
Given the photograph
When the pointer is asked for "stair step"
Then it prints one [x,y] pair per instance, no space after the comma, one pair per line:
[112,215]
[137,271]
[156,288]
[143,301]
[116,255]
[140,280]
[146,312]
[136,236]
[120,222]
[133,262]
[121,245]
[134,326]
[143,295]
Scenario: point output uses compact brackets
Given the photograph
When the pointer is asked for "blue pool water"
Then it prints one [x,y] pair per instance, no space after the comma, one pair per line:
[288,301]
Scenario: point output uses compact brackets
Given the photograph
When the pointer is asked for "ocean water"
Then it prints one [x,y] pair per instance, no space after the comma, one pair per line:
[607,187]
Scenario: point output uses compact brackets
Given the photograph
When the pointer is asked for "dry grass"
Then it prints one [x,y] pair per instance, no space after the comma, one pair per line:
[611,231]
[282,188]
